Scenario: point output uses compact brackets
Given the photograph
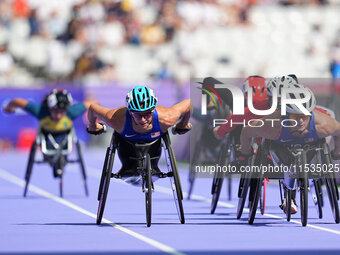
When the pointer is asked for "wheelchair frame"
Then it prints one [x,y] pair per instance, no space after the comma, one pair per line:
[300,154]
[55,154]
[147,184]
[227,155]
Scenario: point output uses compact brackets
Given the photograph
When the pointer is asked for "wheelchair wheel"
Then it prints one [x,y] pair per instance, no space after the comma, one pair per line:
[102,178]
[30,166]
[331,186]
[331,189]
[243,190]
[105,183]
[304,199]
[288,196]
[316,194]
[82,166]
[256,191]
[336,187]
[320,181]
[192,173]
[229,187]
[148,190]
[218,178]
[216,190]
[263,196]
[61,184]
[175,180]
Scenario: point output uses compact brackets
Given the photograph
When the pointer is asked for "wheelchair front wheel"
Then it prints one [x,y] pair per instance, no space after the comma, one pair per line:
[30,167]
[61,184]
[216,190]
[82,167]
[332,195]
[192,173]
[256,191]
[243,190]
[304,200]
[174,180]
[148,190]
[104,185]
[317,196]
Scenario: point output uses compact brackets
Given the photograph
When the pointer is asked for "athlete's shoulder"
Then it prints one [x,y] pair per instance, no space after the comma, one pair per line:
[116,118]
[167,115]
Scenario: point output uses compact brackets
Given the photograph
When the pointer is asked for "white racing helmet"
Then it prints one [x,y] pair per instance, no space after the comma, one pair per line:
[309,105]
[278,83]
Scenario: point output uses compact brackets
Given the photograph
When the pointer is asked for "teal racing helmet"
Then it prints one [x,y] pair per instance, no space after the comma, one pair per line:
[140,99]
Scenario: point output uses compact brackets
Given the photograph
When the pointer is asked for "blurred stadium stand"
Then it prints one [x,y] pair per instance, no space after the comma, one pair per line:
[96,42]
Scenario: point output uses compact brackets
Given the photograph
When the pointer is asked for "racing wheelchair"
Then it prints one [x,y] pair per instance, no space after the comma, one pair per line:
[55,149]
[302,171]
[144,173]
[226,156]
[207,149]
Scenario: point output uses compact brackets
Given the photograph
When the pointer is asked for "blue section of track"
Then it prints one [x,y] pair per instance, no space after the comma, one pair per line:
[44,224]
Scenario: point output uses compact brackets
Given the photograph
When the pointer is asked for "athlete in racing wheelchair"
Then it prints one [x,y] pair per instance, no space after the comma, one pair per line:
[140,132]
[296,145]
[56,135]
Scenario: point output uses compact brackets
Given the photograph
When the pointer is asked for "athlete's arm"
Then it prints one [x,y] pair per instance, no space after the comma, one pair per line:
[269,130]
[180,113]
[327,126]
[15,103]
[114,118]
[88,103]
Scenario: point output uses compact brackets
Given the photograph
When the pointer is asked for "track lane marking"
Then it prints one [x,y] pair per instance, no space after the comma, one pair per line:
[227,205]
[95,172]
[16,180]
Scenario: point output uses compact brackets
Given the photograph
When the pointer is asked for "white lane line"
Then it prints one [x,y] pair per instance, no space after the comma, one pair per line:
[15,180]
[225,204]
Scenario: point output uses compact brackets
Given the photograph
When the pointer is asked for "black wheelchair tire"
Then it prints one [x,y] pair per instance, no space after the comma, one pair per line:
[30,167]
[192,173]
[331,189]
[243,190]
[148,190]
[216,190]
[107,155]
[255,199]
[331,186]
[105,187]
[304,199]
[82,167]
[177,189]
[318,194]
[61,184]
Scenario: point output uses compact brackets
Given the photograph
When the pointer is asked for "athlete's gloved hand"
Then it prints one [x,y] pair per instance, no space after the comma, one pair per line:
[335,156]
[97,132]
[180,131]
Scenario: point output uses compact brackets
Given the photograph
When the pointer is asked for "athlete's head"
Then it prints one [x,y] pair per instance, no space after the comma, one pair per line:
[293,112]
[58,102]
[309,105]
[141,102]
[258,87]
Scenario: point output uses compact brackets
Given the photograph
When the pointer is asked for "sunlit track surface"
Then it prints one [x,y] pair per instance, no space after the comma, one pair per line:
[43,223]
